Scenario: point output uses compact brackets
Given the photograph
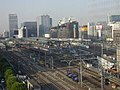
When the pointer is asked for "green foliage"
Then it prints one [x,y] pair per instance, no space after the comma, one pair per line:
[8,72]
[18,86]
[10,81]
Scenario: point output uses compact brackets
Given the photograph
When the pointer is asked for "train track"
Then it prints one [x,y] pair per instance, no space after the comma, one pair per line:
[57,81]
[94,74]
[54,82]
[26,69]
[90,72]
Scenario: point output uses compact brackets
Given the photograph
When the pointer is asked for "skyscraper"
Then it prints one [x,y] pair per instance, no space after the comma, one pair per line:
[44,24]
[38,20]
[13,24]
[46,20]
[31,28]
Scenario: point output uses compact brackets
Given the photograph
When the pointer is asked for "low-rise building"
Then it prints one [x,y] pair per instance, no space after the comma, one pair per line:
[22,32]
[118,59]
[5,34]
[67,28]
[106,62]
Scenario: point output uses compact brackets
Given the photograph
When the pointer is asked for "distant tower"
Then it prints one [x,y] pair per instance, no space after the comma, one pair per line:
[38,20]
[44,23]
[31,28]
[13,24]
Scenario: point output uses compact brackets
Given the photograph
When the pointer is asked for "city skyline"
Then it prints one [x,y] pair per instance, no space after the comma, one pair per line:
[83,11]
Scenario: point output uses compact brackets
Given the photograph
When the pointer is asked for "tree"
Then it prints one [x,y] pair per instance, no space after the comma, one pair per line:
[10,81]
[18,86]
[8,72]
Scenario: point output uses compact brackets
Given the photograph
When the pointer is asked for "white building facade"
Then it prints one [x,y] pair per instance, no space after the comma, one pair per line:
[22,32]
[106,62]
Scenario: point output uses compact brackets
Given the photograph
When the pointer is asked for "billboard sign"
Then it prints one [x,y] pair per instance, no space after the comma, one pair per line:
[84,28]
[99,27]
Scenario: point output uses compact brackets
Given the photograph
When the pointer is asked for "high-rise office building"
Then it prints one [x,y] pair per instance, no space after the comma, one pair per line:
[13,24]
[38,20]
[46,21]
[44,24]
[31,28]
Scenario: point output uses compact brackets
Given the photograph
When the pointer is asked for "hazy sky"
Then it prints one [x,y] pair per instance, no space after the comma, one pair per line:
[83,10]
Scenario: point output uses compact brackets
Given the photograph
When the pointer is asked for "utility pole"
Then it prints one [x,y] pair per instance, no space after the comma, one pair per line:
[80,67]
[68,62]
